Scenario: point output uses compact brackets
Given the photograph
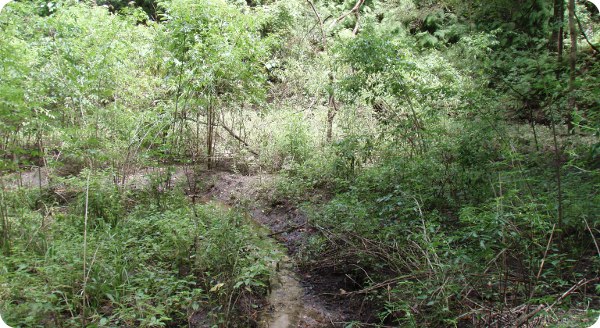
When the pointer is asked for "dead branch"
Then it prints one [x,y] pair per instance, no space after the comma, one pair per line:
[379,285]
[323,37]
[592,234]
[526,316]
[357,25]
[585,35]
[578,285]
[537,277]
[239,139]
[354,9]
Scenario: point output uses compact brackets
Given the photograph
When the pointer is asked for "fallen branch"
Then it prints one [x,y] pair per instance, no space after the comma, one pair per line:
[526,316]
[376,286]
[239,139]
[578,285]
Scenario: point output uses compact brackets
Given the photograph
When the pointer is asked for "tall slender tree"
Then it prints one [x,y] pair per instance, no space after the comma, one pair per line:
[556,42]
[572,64]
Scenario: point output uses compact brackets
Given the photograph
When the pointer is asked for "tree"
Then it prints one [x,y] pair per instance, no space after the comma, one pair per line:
[556,41]
[324,31]
[572,65]
[215,60]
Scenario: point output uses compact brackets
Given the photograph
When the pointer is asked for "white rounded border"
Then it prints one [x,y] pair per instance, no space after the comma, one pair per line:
[2,324]
[2,3]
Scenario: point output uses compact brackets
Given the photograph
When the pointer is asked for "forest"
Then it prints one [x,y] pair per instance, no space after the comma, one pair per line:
[300,163]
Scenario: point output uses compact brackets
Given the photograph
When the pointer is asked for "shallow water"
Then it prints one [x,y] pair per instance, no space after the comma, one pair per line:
[285,298]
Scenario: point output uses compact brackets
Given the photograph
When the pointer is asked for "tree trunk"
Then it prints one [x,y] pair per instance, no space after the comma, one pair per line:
[556,43]
[572,62]
[333,109]
[210,135]
[559,195]
[5,222]
[330,116]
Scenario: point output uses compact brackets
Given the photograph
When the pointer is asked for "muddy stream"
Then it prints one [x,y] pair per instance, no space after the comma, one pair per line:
[285,301]
[290,303]
[285,298]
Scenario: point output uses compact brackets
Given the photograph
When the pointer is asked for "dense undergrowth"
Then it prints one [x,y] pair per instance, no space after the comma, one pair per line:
[146,258]
[447,154]
[452,237]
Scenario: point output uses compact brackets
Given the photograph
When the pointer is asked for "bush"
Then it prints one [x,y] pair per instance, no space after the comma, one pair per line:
[146,265]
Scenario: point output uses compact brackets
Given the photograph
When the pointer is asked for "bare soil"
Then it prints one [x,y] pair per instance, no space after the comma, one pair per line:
[296,301]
